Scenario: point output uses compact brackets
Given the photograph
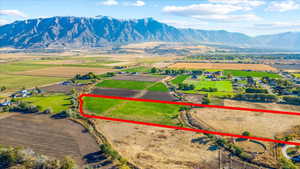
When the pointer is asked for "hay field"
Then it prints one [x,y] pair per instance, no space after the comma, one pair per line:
[257,123]
[16,82]
[223,66]
[63,71]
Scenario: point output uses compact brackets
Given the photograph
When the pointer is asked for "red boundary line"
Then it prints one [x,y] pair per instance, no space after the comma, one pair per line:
[183,128]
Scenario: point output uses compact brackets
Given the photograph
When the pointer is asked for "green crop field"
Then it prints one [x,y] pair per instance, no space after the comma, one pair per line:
[125,84]
[297,75]
[132,110]
[222,86]
[241,73]
[179,79]
[15,82]
[140,69]
[57,103]
[159,87]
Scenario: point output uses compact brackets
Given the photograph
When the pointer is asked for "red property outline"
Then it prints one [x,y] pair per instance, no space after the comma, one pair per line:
[183,128]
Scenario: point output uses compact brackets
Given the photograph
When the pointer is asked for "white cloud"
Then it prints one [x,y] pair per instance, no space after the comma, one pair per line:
[251,3]
[110,2]
[13,13]
[196,24]
[283,6]
[278,25]
[136,3]
[139,3]
[229,18]
[202,9]
[213,12]
[3,22]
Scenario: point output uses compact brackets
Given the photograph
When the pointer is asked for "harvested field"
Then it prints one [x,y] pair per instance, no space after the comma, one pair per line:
[166,96]
[54,138]
[145,78]
[17,82]
[292,71]
[257,123]
[64,71]
[288,67]
[120,64]
[59,88]
[158,148]
[63,62]
[223,66]
[114,92]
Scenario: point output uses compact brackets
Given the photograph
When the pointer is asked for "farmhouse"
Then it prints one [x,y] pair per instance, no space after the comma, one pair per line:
[5,103]
[22,93]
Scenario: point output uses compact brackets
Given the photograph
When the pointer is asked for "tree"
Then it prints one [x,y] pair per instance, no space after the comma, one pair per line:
[205,100]
[246,133]
[229,76]
[2,88]
[153,70]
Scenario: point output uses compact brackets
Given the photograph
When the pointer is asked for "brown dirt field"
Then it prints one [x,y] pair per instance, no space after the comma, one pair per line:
[58,88]
[146,78]
[225,66]
[114,92]
[63,71]
[165,96]
[157,148]
[257,123]
[54,138]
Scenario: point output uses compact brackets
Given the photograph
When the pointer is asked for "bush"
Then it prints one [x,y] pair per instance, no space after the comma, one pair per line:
[205,100]
[245,156]
[256,90]
[287,164]
[68,163]
[292,100]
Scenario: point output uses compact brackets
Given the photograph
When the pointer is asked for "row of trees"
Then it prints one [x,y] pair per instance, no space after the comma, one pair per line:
[183,86]
[257,97]
[292,100]
[256,90]
[87,76]
[25,158]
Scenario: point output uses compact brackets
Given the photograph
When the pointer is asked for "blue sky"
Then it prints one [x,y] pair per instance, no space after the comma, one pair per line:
[253,17]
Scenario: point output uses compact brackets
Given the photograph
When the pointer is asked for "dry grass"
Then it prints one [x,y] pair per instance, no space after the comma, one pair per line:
[63,71]
[156,148]
[224,66]
[63,62]
[257,123]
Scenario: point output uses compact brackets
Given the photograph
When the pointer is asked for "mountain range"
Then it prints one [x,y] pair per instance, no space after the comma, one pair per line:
[80,32]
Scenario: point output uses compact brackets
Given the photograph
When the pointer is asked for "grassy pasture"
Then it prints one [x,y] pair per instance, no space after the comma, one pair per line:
[132,110]
[125,84]
[14,82]
[158,87]
[8,68]
[179,79]
[140,69]
[297,75]
[57,103]
[241,73]
[223,86]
